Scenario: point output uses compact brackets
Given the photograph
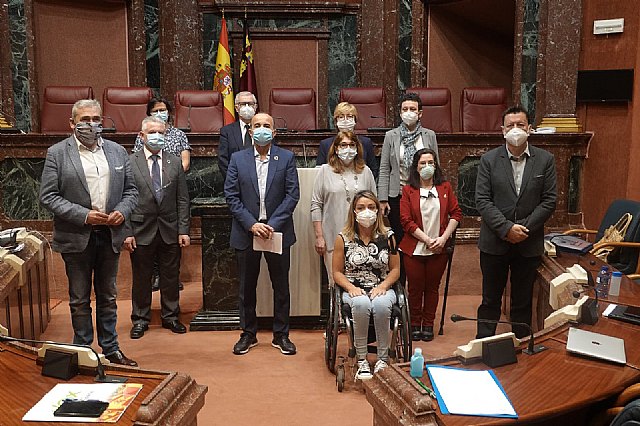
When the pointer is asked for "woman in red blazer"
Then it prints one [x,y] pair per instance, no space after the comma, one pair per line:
[429,214]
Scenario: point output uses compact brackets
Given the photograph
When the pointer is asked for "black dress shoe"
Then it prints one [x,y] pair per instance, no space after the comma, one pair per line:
[416,334]
[175,326]
[283,343]
[119,358]
[155,282]
[246,342]
[427,333]
[137,331]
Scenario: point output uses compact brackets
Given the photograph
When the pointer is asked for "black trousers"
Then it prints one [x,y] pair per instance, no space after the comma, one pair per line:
[495,269]
[398,231]
[249,270]
[142,260]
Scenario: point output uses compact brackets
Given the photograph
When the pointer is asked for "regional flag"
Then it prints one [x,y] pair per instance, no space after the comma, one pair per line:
[247,70]
[222,81]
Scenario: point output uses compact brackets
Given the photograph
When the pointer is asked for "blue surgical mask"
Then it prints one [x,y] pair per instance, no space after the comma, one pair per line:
[162,115]
[262,136]
[155,141]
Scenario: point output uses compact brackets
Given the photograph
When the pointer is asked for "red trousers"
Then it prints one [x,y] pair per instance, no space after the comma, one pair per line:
[423,276]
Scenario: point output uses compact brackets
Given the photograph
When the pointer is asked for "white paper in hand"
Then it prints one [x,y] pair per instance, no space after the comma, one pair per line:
[273,245]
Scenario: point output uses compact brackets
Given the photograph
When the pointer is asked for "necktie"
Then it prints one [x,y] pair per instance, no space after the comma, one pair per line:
[155,178]
[247,136]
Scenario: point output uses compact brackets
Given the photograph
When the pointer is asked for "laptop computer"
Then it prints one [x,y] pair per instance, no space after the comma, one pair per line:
[596,345]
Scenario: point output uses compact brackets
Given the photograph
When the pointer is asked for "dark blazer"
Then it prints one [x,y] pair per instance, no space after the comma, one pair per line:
[368,154]
[64,192]
[500,206]
[171,216]
[243,196]
[411,216]
[230,142]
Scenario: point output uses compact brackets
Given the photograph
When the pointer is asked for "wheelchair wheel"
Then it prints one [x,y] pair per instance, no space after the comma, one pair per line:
[331,337]
[404,343]
[340,377]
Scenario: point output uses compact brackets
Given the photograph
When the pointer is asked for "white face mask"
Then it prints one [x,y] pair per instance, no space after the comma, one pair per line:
[346,124]
[427,171]
[409,117]
[366,218]
[516,136]
[247,112]
[347,154]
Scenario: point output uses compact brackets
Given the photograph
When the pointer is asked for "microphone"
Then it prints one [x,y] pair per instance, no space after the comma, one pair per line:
[100,378]
[531,349]
[284,129]
[111,129]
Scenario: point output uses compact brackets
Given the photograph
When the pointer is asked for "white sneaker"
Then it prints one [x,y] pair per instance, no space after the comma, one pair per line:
[380,364]
[364,370]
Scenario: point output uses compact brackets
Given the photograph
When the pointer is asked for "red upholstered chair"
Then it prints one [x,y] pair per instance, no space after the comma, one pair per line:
[369,101]
[56,107]
[126,106]
[481,109]
[294,109]
[199,110]
[436,108]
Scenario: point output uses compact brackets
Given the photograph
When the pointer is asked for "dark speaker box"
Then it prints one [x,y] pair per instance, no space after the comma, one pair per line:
[589,312]
[499,352]
[61,365]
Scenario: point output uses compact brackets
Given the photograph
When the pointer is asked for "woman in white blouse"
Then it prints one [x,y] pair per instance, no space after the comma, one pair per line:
[336,184]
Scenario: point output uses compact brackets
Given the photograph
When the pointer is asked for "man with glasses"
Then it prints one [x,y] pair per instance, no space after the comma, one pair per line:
[515,195]
[88,185]
[158,228]
[345,116]
[235,136]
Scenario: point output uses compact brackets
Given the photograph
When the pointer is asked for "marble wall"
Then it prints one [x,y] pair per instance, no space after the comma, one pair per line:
[152,35]
[19,68]
[405,29]
[20,183]
[529,56]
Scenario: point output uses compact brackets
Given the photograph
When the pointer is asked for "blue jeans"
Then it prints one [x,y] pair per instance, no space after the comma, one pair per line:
[99,260]
[361,309]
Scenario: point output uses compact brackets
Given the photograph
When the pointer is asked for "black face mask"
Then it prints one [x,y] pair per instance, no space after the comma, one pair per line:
[88,133]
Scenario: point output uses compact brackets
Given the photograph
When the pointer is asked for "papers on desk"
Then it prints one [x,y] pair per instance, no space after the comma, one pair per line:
[273,245]
[469,392]
[119,396]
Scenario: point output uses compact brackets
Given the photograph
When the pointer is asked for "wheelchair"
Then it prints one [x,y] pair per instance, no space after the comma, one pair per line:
[400,346]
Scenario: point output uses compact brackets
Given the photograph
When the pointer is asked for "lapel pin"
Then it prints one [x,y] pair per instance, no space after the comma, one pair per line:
[445,195]
[275,157]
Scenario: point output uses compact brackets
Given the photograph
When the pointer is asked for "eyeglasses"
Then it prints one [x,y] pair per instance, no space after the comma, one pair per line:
[241,104]
[346,145]
[345,117]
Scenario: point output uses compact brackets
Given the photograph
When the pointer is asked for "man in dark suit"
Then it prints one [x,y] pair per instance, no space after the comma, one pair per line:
[158,228]
[262,192]
[235,136]
[88,185]
[515,195]
[345,116]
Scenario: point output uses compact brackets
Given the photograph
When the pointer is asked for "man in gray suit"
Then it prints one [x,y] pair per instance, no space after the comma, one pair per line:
[88,185]
[158,228]
[515,195]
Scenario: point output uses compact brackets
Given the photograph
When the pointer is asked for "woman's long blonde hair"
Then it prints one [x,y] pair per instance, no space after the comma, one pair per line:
[351,227]
[336,163]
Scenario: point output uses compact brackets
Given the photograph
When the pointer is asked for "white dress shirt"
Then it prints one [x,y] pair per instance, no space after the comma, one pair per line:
[147,155]
[262,170]
[430,210]
[518,164]
[96,173]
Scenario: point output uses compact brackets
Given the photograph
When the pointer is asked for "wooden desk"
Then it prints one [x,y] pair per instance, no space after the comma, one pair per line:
[552,387]
[166,398]
[553,266]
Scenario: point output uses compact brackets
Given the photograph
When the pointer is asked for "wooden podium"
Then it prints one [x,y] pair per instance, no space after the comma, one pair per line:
[166,398]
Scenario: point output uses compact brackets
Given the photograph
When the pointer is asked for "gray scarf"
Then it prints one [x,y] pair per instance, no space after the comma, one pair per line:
[408,139]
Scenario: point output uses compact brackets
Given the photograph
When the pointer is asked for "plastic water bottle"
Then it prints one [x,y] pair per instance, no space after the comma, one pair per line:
[602,282]
[417,363]
[614,288]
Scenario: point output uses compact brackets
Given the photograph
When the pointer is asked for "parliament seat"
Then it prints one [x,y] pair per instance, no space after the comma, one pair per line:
[56,107]
[436,108]
[126,106]
[481,109]
[370,102]
[200,111]
[293,108]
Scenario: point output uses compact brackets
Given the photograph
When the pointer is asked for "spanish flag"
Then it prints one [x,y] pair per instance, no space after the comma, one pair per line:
[223,81]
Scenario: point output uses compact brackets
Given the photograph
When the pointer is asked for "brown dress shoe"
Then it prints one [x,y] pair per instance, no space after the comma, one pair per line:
[119,358]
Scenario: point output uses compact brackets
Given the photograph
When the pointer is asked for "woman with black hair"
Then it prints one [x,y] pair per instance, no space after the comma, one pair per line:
[429,214]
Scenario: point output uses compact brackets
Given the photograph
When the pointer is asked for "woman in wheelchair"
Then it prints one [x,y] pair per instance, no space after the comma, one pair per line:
[365,266]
